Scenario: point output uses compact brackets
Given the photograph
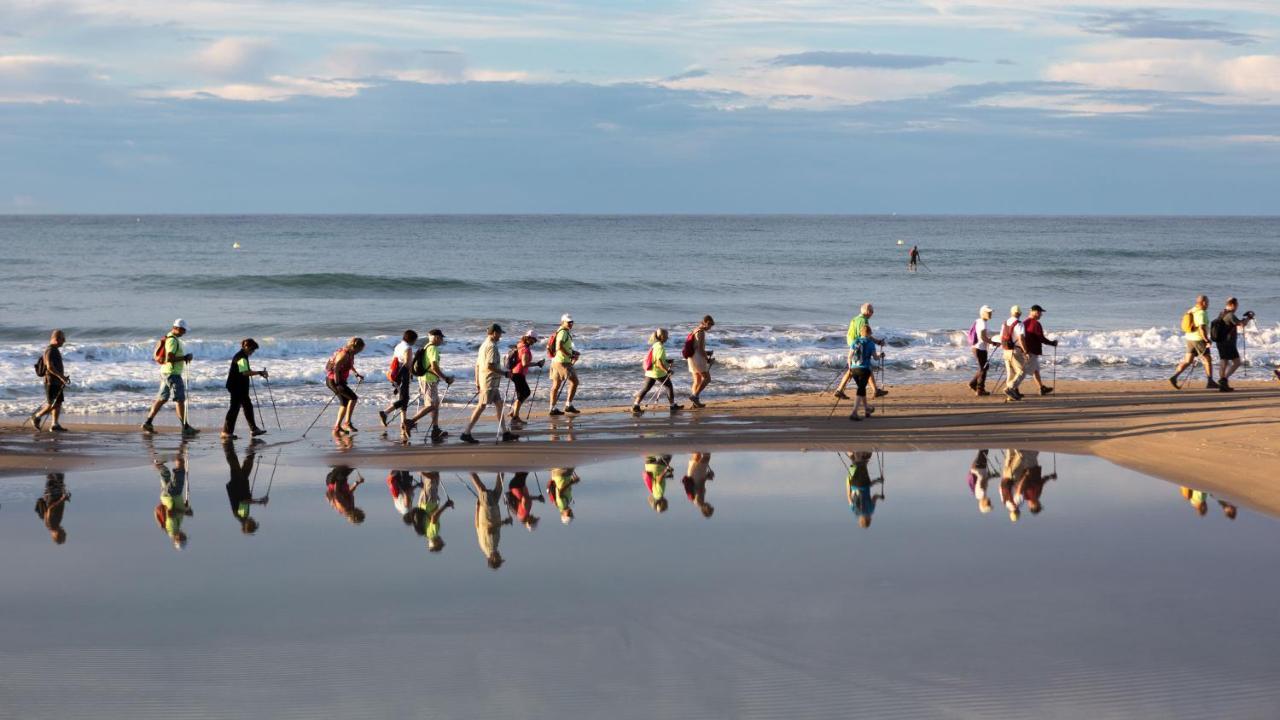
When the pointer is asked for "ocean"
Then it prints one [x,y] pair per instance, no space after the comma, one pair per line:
[782,290]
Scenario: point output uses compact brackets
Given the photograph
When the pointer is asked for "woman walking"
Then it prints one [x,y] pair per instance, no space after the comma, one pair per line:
[519,374]
[657,370]
[238,379]
[861,355]
[341,365]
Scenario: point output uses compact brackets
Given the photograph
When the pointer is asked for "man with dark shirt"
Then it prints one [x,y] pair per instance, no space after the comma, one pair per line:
[1033,340]
[238,378]
[240,488]
[1224,332]
[55,381]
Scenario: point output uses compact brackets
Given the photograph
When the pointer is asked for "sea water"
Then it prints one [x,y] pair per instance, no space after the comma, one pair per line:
[782,290]
[753,590]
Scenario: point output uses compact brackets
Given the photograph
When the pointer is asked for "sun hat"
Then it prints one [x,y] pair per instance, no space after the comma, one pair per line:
[566,318]
[180,324]
[985,309]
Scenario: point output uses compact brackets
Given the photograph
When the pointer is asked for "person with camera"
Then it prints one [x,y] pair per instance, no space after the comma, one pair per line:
[1224,331]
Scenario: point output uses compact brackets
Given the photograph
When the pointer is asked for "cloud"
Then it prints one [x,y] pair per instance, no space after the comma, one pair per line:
[688,75]
[1249,78]
[235,58]
[50,78]
[856,59]
[275,88]
[1155,24]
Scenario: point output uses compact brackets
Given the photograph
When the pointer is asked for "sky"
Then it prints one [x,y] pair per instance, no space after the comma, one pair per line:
[607,106]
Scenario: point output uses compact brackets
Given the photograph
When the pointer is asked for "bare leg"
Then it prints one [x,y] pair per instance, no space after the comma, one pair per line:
[555,392]
[573,390]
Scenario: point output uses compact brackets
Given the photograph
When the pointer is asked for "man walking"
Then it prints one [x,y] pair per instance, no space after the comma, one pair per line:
[855,332]
[55,383]
[1033,342]
[398,374]
[980,339]
[238,384]
[489,375]
[1224,331]
[174,358]
[564,357]
[1015,354]
[1195,333]
[427,367]
[700,360]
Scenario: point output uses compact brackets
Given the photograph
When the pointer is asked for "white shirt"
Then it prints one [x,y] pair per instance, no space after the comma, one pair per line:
[404,351]
[979,327]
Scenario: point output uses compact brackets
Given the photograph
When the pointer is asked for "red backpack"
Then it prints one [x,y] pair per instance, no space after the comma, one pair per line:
[1006,335]
[393,371]
[690,345]
[648,360]
[160,355]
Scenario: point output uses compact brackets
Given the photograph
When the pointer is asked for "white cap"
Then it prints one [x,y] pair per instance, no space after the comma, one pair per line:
[180,323]
[985,309]
[1015,310]
[566,318]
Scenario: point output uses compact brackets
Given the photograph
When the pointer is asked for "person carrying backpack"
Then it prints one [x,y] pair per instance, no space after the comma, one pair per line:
[173,357]
[700,360]
[398,374]
[1015,353]
[489,375]
[238,379]
[861,356]
[564,357]
[1195,333]
[55,378]
[341,365]
[426,366]
[979,340]
[657,371]
[1224,331]
[519,360]
[859,321]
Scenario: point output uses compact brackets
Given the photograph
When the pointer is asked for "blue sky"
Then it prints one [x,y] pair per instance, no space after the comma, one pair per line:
[862,106]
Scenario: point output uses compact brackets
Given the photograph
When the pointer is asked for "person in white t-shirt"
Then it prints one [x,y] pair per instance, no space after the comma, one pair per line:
[981,336]
[1015,353]
[399,375]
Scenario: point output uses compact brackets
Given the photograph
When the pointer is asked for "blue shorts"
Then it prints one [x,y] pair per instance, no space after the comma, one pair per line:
[172,385]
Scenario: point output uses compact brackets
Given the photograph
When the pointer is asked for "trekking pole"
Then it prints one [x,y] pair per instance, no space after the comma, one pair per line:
[529,409]
[322,412]
[272,398]
[257,404]
[831,383]
[885,404]
[1055,366]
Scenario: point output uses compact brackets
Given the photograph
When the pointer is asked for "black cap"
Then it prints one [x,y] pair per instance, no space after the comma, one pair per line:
[436,332]
[1037,308]
[495,328]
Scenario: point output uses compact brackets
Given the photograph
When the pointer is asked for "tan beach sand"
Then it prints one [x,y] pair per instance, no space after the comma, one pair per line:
[1226,443]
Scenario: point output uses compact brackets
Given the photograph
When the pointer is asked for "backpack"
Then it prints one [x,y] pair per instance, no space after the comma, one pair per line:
[551,344]
[41,368]
[160,355]
[332,362]
[973,333]
[648,360]
[419,365]
[690,346]
[1006,336]
[1188,322]
[393,370]
[513,357]
[1218,330]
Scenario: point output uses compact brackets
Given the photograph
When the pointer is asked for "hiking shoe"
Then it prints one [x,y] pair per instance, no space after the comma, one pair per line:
[382,417]
[571,409]
[870,411]
[438,434]
[466,438]
[637,410]
[188,431]
[1046,391]
[840,394]
[982,392]
[854,416]
[695,402]
[227,436]
[509,437]
[1277,374]
[58,428]
[881,393]
[1211,384]
[1174,382]
[1224,387]
[148,427]
[1011,395]
[257,431]
[556,412]
[973,386]
[350,428]
[676,408]
[35,421]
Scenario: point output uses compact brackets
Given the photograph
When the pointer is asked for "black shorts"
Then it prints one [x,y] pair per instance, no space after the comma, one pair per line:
[400,391]
[1228,351]
[860,377]
[53,391]
[344,392]
[522,387]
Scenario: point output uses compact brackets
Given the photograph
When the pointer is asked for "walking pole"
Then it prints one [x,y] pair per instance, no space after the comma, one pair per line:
[272,398]
[322,412]
[831,383]
[529,403]
[1055,367]
[257,404]
[879,384]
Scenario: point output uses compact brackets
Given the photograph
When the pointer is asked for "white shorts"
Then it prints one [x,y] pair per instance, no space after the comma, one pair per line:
[1032,364]
[699,364]
[430,391]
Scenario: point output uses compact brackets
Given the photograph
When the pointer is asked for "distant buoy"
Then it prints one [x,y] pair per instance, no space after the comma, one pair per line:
[901,242]
[235,246]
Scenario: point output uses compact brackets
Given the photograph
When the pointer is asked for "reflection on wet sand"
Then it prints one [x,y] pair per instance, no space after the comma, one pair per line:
[520,500]
[489,520]
[175,497]
[341,494]
[240,487]
[1200,501]
[1022,479]
[696,477]
[979,474]
[561,491]
[425,516]
[52,504]
[657,469]
[859,487]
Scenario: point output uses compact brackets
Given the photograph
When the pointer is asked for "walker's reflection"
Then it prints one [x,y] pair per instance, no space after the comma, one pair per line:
[240,487]
[657,469]
[1199,500]
[561,491]
[1022,479]
[489,520]
[341,494]
[175,497]
[860,487]
[425,516]
[520,500]
[696,477]
[52,504]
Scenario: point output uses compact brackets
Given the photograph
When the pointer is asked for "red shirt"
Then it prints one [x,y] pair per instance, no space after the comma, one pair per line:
[523,361]
[1035,338]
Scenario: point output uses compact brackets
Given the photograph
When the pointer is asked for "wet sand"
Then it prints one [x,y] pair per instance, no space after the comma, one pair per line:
[1226,443]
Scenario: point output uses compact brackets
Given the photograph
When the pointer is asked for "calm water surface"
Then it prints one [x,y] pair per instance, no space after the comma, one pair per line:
[771,586]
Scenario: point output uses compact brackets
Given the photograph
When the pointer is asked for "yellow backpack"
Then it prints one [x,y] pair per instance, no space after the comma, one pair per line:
[1189,321]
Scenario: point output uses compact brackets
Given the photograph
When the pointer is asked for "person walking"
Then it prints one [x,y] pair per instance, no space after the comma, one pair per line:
[1015,354]
[700,360]
[55,383]
[238,380]
[341,365]
[1033,342]
[979,340]
[861,357]
[859,321]
[1195,334]
[913,258]
[426,365]
[173,357]
[1224,331]
[564,357]
[399,375]
[657,371]
[523,352]
[489,375]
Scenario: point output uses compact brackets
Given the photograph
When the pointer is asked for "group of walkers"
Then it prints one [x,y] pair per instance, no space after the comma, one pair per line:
[1022,341]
